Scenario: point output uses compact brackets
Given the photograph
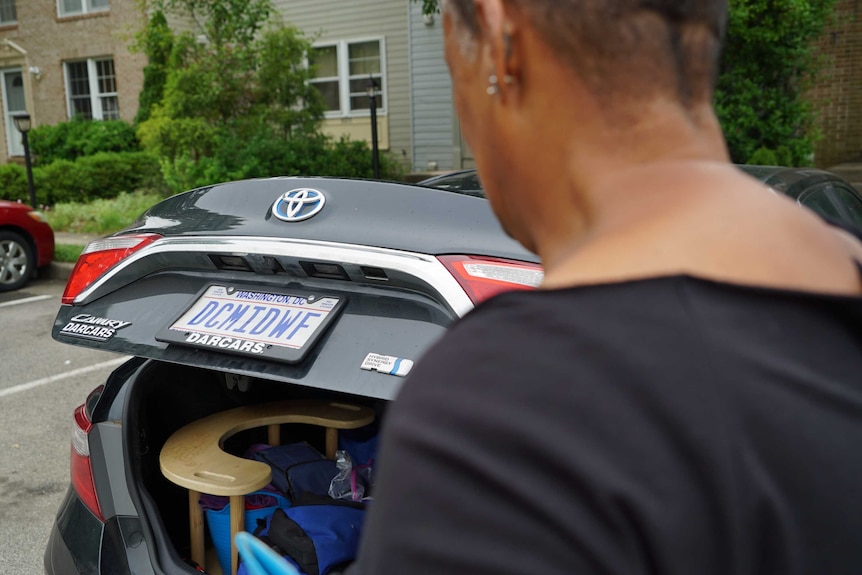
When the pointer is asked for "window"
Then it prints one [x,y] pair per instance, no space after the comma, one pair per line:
[820,201]
[850,203]
[74,7]
[341,73]
[7,12]
[92,89]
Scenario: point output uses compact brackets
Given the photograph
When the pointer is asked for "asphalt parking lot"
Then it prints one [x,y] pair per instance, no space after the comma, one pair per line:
[41,382]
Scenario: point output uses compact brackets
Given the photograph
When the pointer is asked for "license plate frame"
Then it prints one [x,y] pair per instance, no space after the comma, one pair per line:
[280,325]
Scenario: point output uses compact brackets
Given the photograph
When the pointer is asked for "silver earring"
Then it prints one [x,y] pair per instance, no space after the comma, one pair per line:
[508,80]
[493,85]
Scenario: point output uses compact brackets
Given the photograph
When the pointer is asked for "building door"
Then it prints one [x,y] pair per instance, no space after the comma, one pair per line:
[13,103]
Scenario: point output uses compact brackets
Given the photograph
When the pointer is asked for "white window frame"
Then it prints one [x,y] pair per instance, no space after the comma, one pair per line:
[93,79]
[10,22]
[86,8]
[343,57]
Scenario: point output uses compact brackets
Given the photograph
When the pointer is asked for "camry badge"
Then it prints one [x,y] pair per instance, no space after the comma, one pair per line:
[297,205]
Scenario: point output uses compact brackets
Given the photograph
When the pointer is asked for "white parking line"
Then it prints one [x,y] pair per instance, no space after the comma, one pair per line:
[62,376]
[26,300]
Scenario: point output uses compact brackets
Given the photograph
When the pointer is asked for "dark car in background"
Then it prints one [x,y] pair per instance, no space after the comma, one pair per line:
[820,190]
[400,262]
[26,244]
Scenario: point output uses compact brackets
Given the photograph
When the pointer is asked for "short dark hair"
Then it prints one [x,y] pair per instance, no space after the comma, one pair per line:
[671,46]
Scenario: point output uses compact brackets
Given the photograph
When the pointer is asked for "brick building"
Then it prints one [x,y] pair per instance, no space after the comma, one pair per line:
[61,58]
[838,95]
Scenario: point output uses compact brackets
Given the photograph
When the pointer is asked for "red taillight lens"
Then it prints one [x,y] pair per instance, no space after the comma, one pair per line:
[82,472]
[100,256]
[484,277]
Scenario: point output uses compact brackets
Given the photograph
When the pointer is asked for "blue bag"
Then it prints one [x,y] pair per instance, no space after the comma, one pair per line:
[298,468]
[318,535]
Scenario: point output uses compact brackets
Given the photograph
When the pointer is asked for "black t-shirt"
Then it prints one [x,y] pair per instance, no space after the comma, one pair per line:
[670,426]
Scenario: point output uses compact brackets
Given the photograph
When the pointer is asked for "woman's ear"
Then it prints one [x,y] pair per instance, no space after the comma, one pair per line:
[499,23]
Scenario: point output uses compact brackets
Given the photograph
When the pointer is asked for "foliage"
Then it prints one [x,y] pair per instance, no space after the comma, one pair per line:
[79,138]
[102,175]
[429,6]
[239,104]
[767,66]
[222,22]
[766,157]
[157,42]
[266,155]
[282,83]
[174,137]
[102,216]
[13,182]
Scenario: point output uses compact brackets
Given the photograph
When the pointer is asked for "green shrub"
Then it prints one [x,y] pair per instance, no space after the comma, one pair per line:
[782,156]
[79,138]
[13,182]
[263,155]
[764,157]
[103,175]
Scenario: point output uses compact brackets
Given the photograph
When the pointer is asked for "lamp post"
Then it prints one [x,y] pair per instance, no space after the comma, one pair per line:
[372,103]
[22,122]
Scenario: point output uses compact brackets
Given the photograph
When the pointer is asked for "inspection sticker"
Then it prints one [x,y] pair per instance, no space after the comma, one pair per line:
[387,364]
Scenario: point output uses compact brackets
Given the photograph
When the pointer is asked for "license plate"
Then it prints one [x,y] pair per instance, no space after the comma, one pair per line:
[273,325]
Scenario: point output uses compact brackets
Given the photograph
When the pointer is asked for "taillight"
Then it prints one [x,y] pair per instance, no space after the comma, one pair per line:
[82,471]
[483,277]
[100,256]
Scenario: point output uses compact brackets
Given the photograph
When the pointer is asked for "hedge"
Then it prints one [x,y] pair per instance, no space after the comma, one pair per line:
[103,175]
[80,138]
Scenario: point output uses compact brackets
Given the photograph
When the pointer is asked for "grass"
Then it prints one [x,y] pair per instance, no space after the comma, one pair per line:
[100,217]
[67,252]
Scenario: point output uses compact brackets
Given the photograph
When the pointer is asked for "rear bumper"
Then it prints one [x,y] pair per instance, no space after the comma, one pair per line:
[80,544]
[73,546]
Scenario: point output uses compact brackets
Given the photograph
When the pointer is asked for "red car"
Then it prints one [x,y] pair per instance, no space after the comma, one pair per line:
[26,243]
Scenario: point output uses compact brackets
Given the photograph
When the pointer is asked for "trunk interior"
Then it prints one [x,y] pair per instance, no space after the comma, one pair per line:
[165,397]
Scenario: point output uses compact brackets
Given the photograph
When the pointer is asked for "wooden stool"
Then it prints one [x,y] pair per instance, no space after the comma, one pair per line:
[194,458]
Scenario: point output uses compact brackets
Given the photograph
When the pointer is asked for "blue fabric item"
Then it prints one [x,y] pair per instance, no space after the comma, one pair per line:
[318,538]
[282,457]
[311,477]
[218,521]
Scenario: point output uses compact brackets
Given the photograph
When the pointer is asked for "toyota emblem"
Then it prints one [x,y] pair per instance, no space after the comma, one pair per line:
[297,205]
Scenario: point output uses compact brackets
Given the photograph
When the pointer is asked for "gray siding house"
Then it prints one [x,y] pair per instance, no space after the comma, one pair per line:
[356,40]
[437,141]
[434,127]
[391,42]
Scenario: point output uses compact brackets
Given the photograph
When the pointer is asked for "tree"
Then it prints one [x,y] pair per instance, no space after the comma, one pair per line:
[157,43]
[221,22]
[237,102]
[766,68]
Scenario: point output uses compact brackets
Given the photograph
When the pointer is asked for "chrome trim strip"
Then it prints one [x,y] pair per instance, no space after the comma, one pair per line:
[422,266]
